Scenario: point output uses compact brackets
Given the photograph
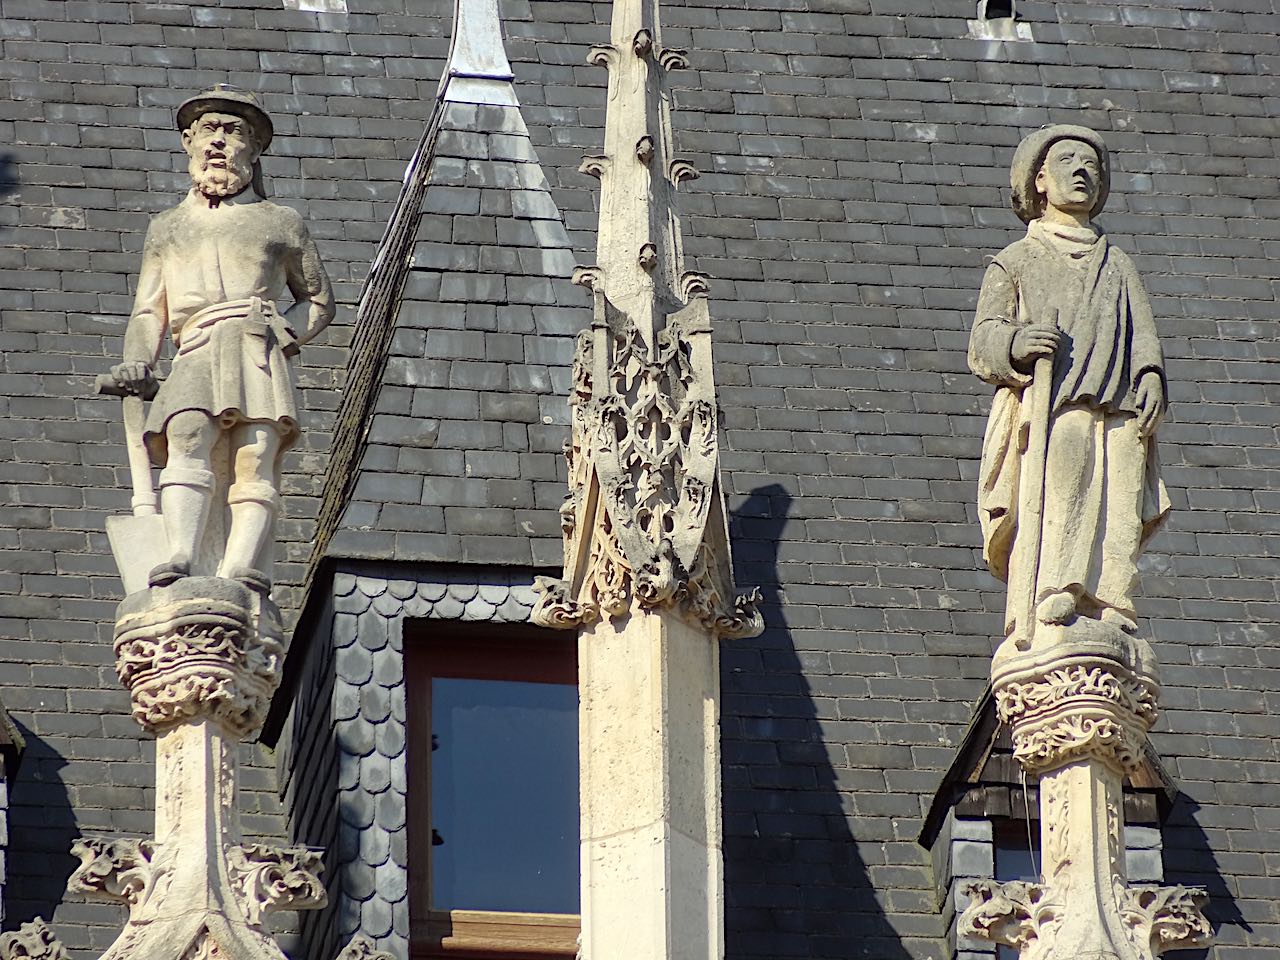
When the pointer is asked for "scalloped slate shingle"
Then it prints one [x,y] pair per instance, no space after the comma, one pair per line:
[367,864]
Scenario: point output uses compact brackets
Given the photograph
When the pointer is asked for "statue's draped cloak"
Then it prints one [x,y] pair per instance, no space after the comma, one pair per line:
[1074,277]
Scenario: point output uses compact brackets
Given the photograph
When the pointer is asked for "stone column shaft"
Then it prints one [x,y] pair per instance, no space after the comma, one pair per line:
[649,729]
[647,577]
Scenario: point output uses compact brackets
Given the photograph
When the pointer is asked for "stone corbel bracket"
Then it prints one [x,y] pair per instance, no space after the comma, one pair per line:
[32,941]
[121,870]
[1094,697]
[204,646]
[269,878]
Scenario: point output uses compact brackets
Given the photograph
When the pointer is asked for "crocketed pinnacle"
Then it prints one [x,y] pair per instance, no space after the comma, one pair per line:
[644,525]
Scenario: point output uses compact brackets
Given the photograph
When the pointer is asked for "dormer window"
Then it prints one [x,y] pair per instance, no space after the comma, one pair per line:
[998,20]
[997,10]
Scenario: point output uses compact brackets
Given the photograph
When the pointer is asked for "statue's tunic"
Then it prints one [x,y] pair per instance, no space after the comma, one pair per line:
[1103,496]
[211,276]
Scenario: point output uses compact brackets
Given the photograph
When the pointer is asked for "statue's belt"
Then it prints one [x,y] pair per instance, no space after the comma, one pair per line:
[257,320]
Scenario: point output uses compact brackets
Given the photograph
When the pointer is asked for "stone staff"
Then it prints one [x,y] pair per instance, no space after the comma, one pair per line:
[1022,588]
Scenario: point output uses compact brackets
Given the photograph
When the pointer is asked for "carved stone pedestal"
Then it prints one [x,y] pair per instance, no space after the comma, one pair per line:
[1080,703]
[200,661]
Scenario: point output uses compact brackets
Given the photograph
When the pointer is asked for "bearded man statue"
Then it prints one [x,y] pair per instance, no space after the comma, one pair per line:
[1065,296]
[213,269]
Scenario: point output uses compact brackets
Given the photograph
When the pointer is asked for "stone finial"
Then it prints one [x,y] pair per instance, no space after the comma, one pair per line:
[477,70]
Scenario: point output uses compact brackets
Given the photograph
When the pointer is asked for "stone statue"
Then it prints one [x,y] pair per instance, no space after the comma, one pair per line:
[1069,489]
[213,269]
[198,639]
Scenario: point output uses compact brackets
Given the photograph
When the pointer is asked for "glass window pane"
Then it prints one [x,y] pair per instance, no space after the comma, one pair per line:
[504,796]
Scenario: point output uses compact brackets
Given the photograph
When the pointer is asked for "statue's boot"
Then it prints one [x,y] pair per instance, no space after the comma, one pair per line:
[1057,607]
[184,502]
[253,505]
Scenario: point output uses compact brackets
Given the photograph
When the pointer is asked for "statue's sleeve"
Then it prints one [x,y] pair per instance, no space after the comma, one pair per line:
[993,328]
[1147,352]
[309,284]
[150,318]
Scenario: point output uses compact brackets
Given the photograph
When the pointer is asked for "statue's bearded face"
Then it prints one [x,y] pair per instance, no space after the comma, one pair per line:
[222,150]
[1071,176]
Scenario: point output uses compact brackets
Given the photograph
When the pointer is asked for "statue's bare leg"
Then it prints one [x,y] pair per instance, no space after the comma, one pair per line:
[186,486]
[254,500]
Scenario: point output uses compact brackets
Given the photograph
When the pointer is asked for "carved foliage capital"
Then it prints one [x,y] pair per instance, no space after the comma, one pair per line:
[197,656]
[271,878]
[1078,709]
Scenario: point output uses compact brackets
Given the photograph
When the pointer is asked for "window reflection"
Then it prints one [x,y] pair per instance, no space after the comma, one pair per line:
[504,795]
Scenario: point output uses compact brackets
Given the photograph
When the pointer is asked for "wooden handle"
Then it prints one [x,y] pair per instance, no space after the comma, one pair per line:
[144,492]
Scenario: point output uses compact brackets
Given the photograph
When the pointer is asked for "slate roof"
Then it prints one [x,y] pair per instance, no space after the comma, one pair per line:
[449,436]
[854,176]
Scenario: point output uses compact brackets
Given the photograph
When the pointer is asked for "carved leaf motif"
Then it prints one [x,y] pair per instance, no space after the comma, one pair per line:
[120,870]
[1158,919]
[271,878]
[1014,913]
[32,941]
[362,948]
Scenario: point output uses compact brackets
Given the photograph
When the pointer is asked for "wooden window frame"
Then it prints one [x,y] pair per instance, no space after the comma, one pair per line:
[475,652]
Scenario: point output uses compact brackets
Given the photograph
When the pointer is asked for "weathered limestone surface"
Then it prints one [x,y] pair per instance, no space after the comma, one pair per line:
[213,269]
[1069,492]
[200,653]
[647,578]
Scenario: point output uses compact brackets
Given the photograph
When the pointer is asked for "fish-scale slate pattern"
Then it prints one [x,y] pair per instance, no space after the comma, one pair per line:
[461,461]
[363,737]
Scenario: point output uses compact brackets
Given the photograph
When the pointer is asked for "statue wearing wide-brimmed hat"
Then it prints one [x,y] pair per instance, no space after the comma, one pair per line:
[214,269]
[1070,487]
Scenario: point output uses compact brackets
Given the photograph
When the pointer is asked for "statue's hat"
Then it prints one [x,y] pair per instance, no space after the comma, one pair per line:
[224,98]
[1029,158]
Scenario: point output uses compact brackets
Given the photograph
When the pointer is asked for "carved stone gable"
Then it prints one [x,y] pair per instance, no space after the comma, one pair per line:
[644,521]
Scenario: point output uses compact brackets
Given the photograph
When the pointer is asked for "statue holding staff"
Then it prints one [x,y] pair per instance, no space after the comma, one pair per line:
[213,269]
[1069,487]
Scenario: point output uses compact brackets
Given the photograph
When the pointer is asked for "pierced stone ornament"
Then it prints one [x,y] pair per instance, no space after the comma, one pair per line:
[644,519]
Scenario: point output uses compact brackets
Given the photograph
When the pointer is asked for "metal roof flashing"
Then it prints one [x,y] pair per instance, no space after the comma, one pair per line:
[477,70]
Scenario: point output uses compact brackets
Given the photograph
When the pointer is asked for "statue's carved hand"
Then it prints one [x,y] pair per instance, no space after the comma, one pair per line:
[1032,342]
[134,376]
[1150,397]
